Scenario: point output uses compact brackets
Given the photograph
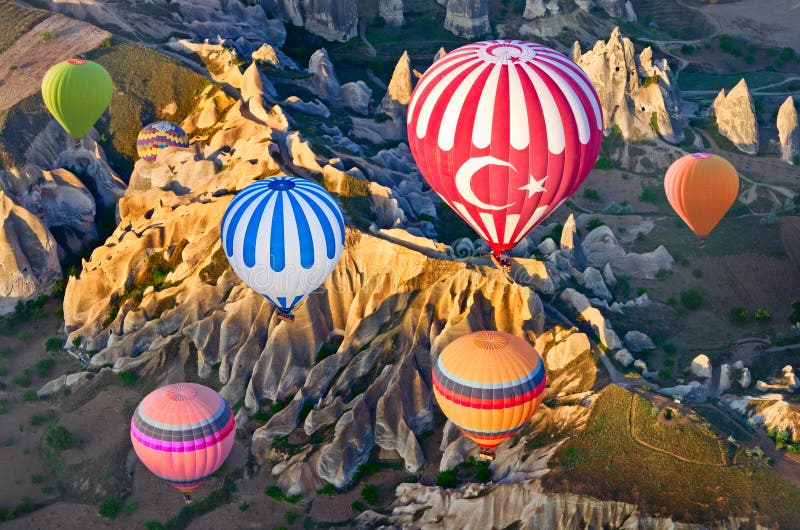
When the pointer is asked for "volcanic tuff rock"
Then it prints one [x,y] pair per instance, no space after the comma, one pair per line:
[638,341]
[468,18]
[392,12]
[538,8]
[789,130]
[701,366]
[398,95]
[638,95]
[770,410]
[736,117]
[335,20]
[323,81]
[357,96]
[28,255]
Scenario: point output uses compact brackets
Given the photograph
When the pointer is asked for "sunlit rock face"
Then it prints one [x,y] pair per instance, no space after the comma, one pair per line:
[736,117]
[788,130]
[468,18]
[28,255]
[637,94]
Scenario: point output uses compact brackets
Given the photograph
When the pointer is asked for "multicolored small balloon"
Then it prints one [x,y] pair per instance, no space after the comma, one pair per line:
[489,384]
[157,136]
[183,433]
[283,236]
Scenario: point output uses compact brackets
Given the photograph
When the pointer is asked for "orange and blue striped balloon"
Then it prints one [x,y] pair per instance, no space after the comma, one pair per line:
[183,433]
[157,136]
[489,384]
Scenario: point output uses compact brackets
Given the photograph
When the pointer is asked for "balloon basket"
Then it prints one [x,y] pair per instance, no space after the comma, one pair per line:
[487,454]
[286,316]
[187,498]
[502,262]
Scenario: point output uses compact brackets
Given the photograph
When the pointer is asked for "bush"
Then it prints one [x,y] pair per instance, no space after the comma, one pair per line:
[275,492]
[291,517]
[738,315]
[654,121]
[691,299]
[154,525]
[591,194]
[697,273]
[593,223]
[482,471]
[58,438]
[127,378]
[46,36]
[53,344]
[29,396]
[604,163]
[370,494]
[662,274]
[669,348]
[447,479]
[243,507]
[109,508]
[762,315]
[688,49]
[43,367]
[37,479]
[22,380]
[640,291]
[328,489]
[648,195]
[131,508]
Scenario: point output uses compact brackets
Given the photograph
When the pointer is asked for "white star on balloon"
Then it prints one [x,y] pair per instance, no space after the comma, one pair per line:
[534,186]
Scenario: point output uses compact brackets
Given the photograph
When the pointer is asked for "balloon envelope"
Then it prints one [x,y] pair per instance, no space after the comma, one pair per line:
[701,188]
[157,136]
[489,384]
[504,131]
[77,92]
[283,236]
[183,433]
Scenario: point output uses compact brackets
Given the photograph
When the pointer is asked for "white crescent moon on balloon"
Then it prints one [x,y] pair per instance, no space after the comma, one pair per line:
[468,170]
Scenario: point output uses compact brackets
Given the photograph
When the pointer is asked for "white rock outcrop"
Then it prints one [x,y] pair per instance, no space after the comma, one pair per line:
[468,18]
[624,357]
[637,94]
[701,366]
[789,130]
[335,20]
[392,12]
[638,341]
[736,117]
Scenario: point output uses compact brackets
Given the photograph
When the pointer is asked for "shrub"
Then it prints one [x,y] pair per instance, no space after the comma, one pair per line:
[46,36]
[244,506]
[648,195]
[623,286]
[109,508]
[275,492]
[591,194]
[555,233]
[25,336]
[29,396]
[53,344]
[662,274]
[328,489]
[697,273]
[58,438]
[22,380]
[654,121]
[370,494]
[43,367]
[447,479]
[482,471]
[593,223]
[37,479]
[762,315]
[154,525]
[640,291]
[131,508]
[604,163]
[652,80]
[669,348]
[688,49]
[127,378]
[691,299]
[738,315]
[8,442]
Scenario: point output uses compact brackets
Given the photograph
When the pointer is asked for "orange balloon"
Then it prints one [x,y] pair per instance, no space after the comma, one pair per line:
[701,188]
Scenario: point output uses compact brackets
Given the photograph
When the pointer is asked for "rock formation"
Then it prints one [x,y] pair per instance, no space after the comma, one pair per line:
[323,81]
[771,410]
[335,20]
[736,117]
[392,12]
[398,95]
[538,8]
[468,18]
[701,366]
[357,96]
[28,255]
[789,130]
[638,95]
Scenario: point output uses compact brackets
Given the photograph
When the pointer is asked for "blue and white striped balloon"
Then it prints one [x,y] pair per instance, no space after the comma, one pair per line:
[283,236]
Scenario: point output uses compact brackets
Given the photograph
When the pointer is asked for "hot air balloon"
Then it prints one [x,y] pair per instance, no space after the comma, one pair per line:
[183,433]
[701,187]
[77,92]
[157,136]
[489,384]
[504,131]
[283,236]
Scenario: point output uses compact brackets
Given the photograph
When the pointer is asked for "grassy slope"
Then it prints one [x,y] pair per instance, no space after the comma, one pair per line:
[605,461]
[16,20]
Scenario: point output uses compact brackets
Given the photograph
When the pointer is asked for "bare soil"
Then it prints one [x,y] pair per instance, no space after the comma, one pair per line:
[774,22]
[23,65]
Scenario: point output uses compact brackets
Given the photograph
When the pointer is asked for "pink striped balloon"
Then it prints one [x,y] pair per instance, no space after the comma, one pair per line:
[183,433]
[504,131]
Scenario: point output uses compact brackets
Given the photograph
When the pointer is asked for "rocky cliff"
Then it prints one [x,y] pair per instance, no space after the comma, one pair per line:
[621,9]
[392,12]
[468,18]
[638,94]
[736,117]
[788,130]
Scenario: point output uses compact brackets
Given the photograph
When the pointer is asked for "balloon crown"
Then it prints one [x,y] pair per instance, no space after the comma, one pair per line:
[490,340]
[76,61]
[702,155]
[280,184]
[181,393]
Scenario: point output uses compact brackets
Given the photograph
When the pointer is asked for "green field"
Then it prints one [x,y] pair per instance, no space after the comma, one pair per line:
[606,462]
[706,81]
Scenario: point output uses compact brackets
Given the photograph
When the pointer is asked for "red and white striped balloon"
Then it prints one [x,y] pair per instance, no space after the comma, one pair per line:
[504,131]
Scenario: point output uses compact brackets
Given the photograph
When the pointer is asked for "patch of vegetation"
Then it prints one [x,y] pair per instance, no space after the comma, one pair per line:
[29,396]
[244,506]
[623,286]
[16,21]
[738,316]
[22,380]
[606,462]
[604,163]
[53,344]
[58,438]
[23,312]
[662,274]
[763,315]
[591,194]
[370,494]
[109,508]
[691,299]
[216,267]
[447,479]
[697,273]
[593,223]
[25,507]
[649,194]
[145,82]
[127,379]
[354,196]
[43,367]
